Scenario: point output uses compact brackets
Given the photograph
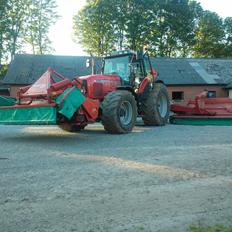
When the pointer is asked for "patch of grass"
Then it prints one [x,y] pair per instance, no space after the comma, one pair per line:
[216,228]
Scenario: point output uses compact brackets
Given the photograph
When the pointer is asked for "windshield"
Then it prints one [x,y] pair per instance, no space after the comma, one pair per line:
[118,66]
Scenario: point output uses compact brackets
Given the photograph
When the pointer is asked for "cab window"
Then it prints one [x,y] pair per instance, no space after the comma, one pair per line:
[118,66]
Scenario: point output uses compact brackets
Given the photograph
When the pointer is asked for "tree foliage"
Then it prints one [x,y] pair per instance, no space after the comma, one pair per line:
[175,28]
[3,28]
[134,23]
[228,37]
[15,22]
[171,28]
[94,29]
[23,23]
[41,15]
[209,36]
[3,71]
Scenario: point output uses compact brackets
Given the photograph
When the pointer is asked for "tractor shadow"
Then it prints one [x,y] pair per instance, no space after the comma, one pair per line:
[52,135]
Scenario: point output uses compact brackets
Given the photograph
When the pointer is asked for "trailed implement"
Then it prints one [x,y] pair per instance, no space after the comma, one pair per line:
[52,99]
[203,111]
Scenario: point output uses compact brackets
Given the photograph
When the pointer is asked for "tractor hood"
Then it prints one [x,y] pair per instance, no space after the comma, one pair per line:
[99,85]
[101,77]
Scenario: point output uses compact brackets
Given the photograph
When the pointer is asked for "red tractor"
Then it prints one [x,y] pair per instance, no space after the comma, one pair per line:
[127,88]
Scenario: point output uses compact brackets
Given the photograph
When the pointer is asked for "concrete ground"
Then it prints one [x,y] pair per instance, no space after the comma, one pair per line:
[154,179]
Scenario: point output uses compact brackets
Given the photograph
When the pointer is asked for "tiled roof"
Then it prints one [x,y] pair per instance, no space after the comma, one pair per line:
[220,68]
[229,86]
[26,69]
[177,72]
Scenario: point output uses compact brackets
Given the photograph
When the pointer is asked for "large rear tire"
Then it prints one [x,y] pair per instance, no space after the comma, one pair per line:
[71,128]
[119,112]
[156,108]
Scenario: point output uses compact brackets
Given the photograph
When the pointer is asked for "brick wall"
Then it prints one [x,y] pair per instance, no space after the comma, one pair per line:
[191,91]
[14,89]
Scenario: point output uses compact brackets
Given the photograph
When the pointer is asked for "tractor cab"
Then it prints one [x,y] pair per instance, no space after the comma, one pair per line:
[130,66]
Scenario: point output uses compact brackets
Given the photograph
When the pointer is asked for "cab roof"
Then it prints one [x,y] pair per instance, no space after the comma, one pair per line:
[120,53]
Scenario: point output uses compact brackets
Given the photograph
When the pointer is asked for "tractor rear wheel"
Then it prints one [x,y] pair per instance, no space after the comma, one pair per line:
[119,112]
[71,128]
[155,109]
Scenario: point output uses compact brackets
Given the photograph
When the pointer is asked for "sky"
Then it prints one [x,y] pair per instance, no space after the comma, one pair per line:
[61,33]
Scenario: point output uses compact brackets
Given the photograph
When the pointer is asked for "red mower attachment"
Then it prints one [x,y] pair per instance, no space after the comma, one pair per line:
[49,85]
[203,110]
[52,99]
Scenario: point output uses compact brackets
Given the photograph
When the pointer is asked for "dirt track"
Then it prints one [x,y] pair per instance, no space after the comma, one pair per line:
[152,179]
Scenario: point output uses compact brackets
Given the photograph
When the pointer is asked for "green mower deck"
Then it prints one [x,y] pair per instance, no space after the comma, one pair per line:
[65,104]
[196,120]
[33,115]
[7,101]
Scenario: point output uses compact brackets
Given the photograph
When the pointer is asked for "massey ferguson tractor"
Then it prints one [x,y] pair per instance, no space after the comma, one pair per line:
[127,88]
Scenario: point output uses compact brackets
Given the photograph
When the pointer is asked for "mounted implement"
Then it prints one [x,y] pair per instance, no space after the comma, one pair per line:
[203,111]
[126,88]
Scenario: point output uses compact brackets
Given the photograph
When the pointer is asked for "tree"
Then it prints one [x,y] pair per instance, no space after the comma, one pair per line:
[15,20]
[176,25]
[26,22]
[3,28]
[3,71]
[93,27]
[209,36]
[41,15]
[228,36]
[104,25]
[138,23]
[172,28]
[168,26]
[119,16]
[189,12]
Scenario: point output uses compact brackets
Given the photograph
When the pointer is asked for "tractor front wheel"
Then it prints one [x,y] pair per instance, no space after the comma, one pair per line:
[155,109]
[119,112]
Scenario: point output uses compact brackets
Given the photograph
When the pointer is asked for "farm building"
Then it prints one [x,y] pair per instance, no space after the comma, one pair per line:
[184,77]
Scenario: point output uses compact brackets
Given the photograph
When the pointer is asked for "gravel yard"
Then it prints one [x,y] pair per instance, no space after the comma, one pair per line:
[154,179]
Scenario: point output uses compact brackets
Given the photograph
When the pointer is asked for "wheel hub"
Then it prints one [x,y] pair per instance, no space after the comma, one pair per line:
[163,105]
[125,113]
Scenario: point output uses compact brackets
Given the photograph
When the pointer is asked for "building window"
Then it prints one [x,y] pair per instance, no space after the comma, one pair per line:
[230,93]
[178,96]
[211,94]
